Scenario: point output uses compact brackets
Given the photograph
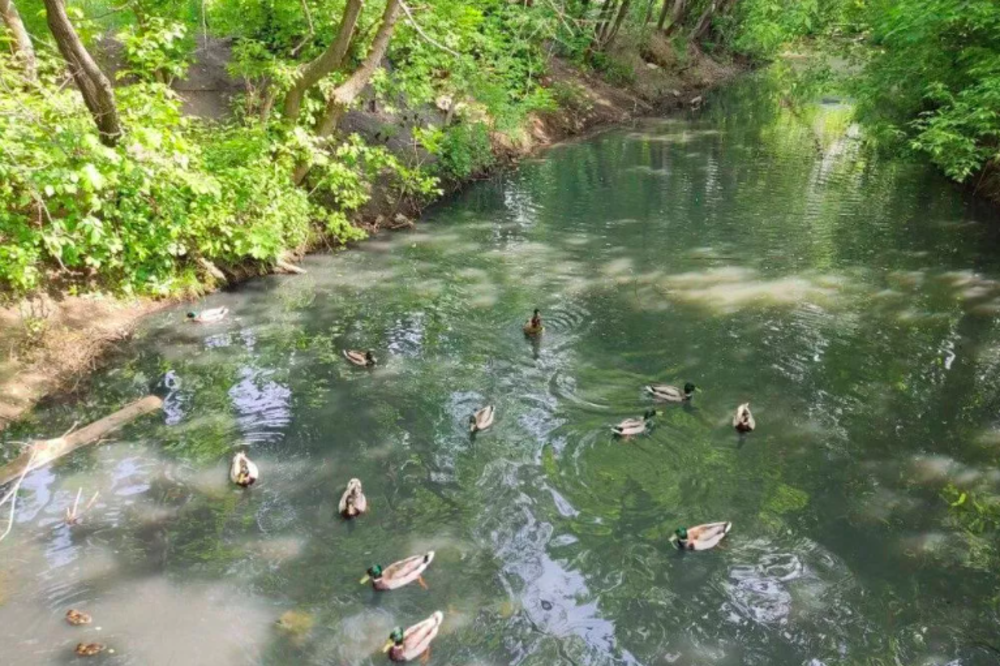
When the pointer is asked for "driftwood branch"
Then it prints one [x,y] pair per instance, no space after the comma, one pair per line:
[44,451]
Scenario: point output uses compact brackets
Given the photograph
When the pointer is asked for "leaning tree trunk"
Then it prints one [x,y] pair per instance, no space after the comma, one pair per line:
[24,52]
[95,87]
[663,15]
[344,95]
[332,58]
[622,13]
[603,21]
[721,7]
[676,15]
[649,12]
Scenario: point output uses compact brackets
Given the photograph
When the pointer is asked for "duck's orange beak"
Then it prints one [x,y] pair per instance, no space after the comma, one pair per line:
[388,645]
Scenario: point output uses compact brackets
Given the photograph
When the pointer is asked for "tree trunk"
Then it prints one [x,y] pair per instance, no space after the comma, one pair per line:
[95,87]
[649,12]
[622,13]
[721,7]
[24,52]
[345,94]
[676,15]
[607,13]
[328,61]
[663,15]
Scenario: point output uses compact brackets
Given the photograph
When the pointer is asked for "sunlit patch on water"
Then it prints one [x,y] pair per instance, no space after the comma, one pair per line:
[732,288]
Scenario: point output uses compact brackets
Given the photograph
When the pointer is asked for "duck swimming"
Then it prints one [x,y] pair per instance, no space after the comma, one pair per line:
[76,618]
[415,641]
[243,472]
[630,427]
[743,420]
[353,502]
[482,419]
[362,359]
[534,325]
[208,316]
[669,393]
[400,573]
[701,537]
[88,649]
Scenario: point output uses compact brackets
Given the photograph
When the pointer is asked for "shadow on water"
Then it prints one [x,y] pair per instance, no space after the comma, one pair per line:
[854,299]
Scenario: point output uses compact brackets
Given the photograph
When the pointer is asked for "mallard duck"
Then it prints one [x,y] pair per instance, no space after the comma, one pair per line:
[243,472]
[415,641]
[669,393]
[362,359]
[353,502]
[534,325]
[701,537]
[743,419]
[76,618]
[208,316]
[482,419]
[400,573]
[630,427]
[88,649]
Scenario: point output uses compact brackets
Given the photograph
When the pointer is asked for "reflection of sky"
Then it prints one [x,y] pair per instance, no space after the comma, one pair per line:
[405,337]
[555,597]
[263,406]
[173,403]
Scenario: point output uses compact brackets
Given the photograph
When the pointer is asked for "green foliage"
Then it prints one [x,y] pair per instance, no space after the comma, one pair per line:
[614,70]
[132,218]
[972,512]
[158,50]
[932,80]
[463,150]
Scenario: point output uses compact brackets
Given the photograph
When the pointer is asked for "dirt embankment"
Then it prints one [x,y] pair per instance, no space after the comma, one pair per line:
[48,343]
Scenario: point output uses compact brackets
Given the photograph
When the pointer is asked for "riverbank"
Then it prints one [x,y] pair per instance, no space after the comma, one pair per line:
[49,342]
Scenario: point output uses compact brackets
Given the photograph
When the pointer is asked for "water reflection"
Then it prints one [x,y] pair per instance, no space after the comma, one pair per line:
[762,257]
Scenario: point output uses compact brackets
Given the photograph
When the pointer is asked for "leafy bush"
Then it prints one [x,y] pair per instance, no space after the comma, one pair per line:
[617,72]
[465,150]
[932,81]
[158,50]
[134,218]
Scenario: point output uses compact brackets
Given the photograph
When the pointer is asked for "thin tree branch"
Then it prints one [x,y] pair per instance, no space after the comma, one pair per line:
[420,31]
[312,29]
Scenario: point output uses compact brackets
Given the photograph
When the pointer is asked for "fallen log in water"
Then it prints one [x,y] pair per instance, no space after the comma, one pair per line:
[43,451]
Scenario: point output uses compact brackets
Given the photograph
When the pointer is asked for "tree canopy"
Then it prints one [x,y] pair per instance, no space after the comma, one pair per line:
[106,183]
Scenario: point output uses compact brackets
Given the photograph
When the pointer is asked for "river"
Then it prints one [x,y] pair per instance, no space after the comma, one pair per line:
[759,253]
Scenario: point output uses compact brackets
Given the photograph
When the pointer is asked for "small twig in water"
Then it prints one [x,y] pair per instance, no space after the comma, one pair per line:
[12,495]
[72,515]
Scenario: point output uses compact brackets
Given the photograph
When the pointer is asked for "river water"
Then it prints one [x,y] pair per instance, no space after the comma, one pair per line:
[752,251]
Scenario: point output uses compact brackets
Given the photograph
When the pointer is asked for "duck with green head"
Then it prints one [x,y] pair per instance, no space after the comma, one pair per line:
[362,359]
[400,573]
[669,393]
[208,316]
[630,427]
[415,641]
[701,537]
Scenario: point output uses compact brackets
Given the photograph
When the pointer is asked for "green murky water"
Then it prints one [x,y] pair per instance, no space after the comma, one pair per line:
[753,252]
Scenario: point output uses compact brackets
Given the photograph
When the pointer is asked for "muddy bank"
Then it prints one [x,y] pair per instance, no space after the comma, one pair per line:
[47,344]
